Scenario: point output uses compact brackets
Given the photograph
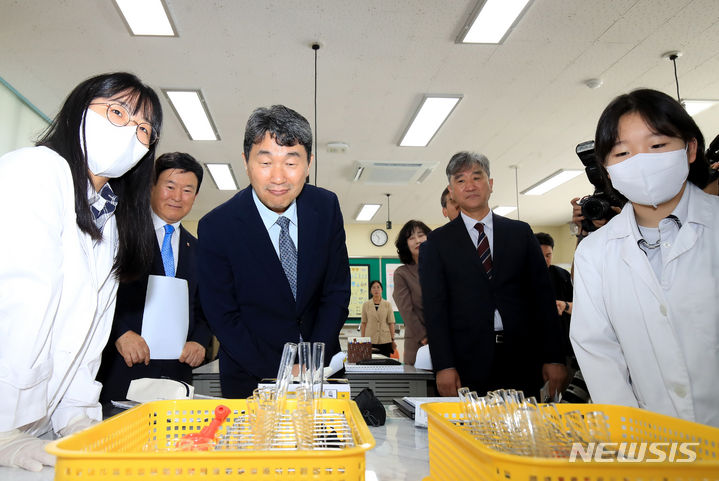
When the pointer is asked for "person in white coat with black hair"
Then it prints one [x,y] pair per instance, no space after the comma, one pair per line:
[76,211]
[645,326]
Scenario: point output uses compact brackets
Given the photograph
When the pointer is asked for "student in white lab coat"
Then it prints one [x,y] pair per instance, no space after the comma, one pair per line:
[645,326]
[75,224]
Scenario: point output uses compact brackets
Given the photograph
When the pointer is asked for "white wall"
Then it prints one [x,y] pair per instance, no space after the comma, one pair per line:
[20,125]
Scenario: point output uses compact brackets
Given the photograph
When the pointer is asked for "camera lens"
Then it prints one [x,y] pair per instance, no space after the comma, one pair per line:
[576,391]
[594,208]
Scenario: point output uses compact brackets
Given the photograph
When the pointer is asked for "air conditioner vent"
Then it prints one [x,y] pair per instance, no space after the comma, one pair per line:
[392,173]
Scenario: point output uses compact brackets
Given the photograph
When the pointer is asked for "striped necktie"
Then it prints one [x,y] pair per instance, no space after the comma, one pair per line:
[485,255]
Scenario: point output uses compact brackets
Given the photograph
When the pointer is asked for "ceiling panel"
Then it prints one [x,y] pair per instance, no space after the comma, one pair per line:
[525,102]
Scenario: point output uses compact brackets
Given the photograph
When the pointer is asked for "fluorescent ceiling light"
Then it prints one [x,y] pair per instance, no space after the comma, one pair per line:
[504,209]
[358,173]
[693,107]
[146,17]
[430,116]
[368,211]
[491,20]
[189,105]
[222,175]
[548,183]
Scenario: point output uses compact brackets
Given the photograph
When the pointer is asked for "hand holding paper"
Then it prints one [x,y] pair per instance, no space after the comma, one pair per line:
[133,348]
[165,321]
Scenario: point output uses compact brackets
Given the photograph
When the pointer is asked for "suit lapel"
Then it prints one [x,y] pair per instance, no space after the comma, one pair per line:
[157,267]
[464,244]
[307,226]
[258,243]
[500,240]
[184,255]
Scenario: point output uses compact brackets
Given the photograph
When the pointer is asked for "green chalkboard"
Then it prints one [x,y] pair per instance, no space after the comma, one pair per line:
[378,270]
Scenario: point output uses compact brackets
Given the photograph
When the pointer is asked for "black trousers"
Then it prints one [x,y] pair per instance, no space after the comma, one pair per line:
[235,382]
[508,371]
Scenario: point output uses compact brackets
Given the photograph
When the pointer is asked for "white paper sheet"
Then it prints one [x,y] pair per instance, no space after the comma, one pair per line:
[166,318]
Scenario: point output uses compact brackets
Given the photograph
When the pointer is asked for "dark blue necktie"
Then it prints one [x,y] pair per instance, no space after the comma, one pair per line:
[168,260]
[288,254]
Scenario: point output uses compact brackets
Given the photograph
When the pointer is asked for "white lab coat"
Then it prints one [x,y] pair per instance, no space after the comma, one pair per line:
[646,342]
[57,296]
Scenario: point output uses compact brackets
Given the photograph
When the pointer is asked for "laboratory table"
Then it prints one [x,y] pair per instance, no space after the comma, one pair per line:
[387,385]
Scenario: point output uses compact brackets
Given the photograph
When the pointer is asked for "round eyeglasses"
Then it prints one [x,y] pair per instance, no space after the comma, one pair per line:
[119,116]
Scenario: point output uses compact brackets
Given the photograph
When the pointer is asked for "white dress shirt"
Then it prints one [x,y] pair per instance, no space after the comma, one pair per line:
[269,218]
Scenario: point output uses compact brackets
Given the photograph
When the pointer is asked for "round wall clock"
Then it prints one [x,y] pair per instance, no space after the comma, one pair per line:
[378,237]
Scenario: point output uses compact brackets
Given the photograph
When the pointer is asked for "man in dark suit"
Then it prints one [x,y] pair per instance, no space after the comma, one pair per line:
[176,182]
[491,318]
[273,260]
[561,282]
[450,209]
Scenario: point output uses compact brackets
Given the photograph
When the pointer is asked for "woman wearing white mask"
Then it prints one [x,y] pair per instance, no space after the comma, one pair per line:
[645,326]
[76,215]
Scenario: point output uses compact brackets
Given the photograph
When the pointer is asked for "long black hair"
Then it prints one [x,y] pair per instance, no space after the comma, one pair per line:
[134,224]
[663,115]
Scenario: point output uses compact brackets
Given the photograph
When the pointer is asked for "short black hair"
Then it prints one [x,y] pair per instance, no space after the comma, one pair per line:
[544,239]
[179,161]
[405,233]
[663,115]
[284,125]
[443,199]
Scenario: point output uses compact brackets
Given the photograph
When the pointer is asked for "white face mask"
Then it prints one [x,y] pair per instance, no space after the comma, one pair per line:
[111,150]
[650,179]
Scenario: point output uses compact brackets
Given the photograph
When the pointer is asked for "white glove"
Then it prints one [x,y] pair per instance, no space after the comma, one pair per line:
[20,450]
[78,423]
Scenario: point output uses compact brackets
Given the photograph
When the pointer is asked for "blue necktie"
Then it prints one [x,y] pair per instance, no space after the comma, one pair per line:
[168,260]
[288,254]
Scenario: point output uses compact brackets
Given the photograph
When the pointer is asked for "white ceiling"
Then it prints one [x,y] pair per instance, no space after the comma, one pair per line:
[525,102]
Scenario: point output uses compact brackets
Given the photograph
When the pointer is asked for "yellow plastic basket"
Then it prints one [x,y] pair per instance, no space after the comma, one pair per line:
[455,455]
[116,449]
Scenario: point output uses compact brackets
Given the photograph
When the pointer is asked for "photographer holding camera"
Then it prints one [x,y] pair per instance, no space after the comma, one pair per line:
[591,212]
[645,322]
[712,155]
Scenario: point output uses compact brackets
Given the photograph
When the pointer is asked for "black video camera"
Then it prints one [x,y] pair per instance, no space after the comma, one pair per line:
[598,205]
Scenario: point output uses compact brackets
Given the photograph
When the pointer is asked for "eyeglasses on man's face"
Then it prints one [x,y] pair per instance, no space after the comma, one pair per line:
[119,116]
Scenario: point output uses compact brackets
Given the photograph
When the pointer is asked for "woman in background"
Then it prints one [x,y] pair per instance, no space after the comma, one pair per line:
[378,320]
[77,208]
[645,321]
[407,290]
